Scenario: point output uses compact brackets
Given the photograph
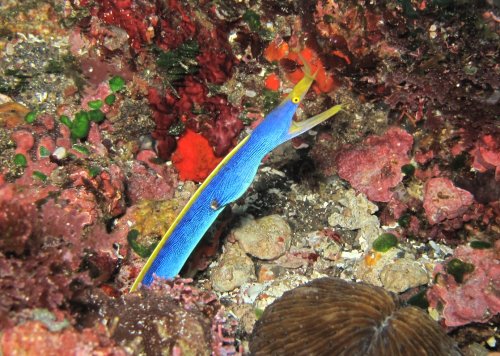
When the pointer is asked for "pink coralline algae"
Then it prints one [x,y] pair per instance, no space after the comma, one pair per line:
[477,298]
[149,180]
[16,224]
[486,155]
[34,338]
[443,200]
[375,167]
[110,185]
[24,141]
[44,280]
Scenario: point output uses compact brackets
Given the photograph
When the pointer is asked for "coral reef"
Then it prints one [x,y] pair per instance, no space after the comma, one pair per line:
[112,111]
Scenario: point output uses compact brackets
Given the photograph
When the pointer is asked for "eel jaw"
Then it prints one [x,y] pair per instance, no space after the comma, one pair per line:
[297,128]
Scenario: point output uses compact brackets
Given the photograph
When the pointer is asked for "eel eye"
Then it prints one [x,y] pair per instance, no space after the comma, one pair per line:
[295,100]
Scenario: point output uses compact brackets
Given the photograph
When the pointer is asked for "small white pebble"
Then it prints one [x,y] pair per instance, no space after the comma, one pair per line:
[492,342]
[60,153]
[354,254]
[250,93]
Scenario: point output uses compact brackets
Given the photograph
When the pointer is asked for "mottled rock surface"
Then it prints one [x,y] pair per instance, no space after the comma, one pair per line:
[234,269]
[266,238]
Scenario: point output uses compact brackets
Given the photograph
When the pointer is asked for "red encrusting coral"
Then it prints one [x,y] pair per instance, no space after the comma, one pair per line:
[164,115]
[220,124]
[443,200]
[272,82]
[212,116]
[194,159]
[375,166]
[476,298]
[216,60]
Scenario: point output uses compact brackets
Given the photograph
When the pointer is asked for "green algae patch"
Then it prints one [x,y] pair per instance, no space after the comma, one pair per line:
[143,251]
[81,149]
[404,220]
[30,117]
[95,104]
[39,175]
[44,152]
[385,242]
[65,120]
[110,99]
[419,300]
[20,160]
[258,313]
[408,170]
[179,62]
[116,83]
[94,171]
[480,245]
[458,268]
[81,125]
[96,115]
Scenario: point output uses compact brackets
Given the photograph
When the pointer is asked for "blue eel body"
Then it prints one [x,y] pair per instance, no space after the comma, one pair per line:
[229,180]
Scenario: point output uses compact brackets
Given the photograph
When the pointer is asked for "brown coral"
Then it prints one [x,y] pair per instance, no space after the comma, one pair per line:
[334,317]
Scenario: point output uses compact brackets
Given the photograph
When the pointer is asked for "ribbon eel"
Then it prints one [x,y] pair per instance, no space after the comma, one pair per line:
[228,181]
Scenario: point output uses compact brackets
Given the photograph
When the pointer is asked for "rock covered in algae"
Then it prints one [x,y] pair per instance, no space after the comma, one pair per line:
[334,317]
[234,269]
[266,238]
[153,323]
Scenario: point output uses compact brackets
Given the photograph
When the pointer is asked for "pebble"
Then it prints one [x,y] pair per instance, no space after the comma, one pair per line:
[356,213]
[246,315]
[233,270]
[276,289]
[371,265]
[266,238]
[402,275]
[325,246]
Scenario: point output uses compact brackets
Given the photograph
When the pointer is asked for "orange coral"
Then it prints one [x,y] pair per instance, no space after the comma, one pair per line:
[194,159]
[272,82]
[276,50]
[324,81]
